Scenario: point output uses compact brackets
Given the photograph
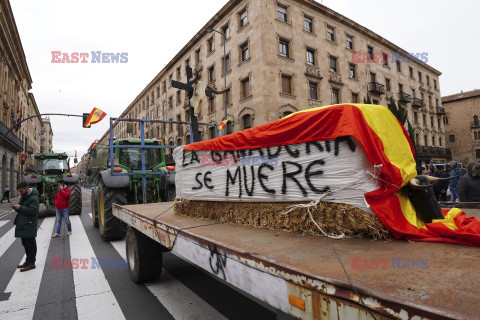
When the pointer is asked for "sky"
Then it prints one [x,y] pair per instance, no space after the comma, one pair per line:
[153,32]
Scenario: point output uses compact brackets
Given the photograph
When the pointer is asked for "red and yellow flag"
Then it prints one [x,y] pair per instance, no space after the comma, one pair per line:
[94,117]
[222,124]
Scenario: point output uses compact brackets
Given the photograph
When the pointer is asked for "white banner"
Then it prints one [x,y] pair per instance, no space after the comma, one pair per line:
[296,172]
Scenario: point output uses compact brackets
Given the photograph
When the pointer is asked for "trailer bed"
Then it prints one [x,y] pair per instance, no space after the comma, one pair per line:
[442,281]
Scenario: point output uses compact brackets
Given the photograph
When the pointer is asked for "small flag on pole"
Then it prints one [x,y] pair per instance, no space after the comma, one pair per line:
[94,117]
[223,124]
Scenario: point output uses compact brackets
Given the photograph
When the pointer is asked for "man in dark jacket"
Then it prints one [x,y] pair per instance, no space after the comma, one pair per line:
[440,188]
[26,223]
[469,185]
[454,172]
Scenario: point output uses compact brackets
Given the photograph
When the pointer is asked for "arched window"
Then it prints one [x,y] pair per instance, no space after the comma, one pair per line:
[286,113]
[247,121]
[475,135]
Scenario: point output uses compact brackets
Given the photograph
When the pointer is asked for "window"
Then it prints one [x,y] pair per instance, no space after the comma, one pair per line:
[421,96]
[420,77]
[211,104]
[350,42]
[439,142]
[433,141]
[226,63]
[164,86]
[428,80]
[311,56]
[179,98]
[210,44]
[170,78]
[477,153]
[244,52]
[410,70]
[308,24]
[436,102]
[187,63]
[179,74]
[387,84]
[333,64]
[430,100]
[245,85]
[431,122]
[415,117]
[424,119]
[229,127]
[148,101]
[370,52]
[247,122]
[284,48]
[330,34]
[212,133]
[335,99]
[198,56]
[286,113]
[400,88]
[229,96]
[385,59]
[413,93]
[281,13]
[475,136]
[435,83]
[351,67]
[170,102]
[226,31]
[286,84]
[398,66]
[425,140]
[354,97]
[211,74]
[312,90]
[373,77]
[243,18]
[438,123]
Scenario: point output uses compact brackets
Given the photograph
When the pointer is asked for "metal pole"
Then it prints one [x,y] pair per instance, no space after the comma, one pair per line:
[225,71]
[112,165]
[144,179]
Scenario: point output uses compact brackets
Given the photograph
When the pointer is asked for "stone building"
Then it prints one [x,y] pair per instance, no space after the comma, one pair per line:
[15,84]
[285,56]
[46,136]
[462,126]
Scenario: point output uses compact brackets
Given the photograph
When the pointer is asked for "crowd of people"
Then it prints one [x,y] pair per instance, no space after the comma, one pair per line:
[463,187]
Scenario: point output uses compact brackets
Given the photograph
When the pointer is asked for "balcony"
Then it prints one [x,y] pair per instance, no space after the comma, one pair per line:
[376,88]
[404,97]
[418,103]
[439,110]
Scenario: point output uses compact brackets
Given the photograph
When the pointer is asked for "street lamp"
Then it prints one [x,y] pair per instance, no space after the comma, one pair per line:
[210,30]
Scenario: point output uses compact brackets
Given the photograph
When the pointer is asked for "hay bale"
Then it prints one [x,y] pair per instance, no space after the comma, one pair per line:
[336,218]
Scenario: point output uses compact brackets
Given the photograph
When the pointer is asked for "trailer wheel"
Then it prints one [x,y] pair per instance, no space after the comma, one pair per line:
[109,226]
[76,199]
[93,200]
[144,257]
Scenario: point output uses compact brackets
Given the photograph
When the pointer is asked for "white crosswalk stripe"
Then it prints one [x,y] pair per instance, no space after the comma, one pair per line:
[24,286]
[174,295]
[3,222]
[7,240]
[92,291]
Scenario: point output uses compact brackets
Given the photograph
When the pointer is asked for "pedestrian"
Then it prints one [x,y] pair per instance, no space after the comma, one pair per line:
[468,187]
[26,222]
[62,204]
[431,170]
[6,194]
[441,187]
[454,172]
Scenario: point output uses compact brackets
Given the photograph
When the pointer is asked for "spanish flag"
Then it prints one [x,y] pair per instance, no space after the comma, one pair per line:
[388,148]
[95,116]
[222,124]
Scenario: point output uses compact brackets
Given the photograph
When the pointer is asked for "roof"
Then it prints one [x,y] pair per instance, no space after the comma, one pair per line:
[461,96]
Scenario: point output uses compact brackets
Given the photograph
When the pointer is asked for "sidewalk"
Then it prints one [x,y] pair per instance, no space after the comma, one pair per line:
[6,207]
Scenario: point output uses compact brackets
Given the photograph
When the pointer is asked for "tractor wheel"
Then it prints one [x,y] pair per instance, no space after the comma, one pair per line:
[76,199]
[109,226]
[144,257]
[93,200]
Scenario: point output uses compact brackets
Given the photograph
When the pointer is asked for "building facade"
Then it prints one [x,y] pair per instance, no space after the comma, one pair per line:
[285,56]
[46,136]
[15,84]
[463,126]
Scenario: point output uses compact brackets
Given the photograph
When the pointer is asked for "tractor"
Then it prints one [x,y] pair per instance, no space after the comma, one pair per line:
[126,189]
[50,168]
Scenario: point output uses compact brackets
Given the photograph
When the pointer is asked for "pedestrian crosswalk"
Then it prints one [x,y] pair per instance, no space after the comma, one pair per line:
[98,292]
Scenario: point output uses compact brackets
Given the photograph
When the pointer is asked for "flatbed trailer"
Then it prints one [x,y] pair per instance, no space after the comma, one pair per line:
[301,276]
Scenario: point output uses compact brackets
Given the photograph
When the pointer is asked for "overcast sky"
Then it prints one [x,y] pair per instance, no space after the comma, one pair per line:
[152,33]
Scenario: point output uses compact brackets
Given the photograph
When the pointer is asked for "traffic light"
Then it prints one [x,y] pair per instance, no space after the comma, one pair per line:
[84,119]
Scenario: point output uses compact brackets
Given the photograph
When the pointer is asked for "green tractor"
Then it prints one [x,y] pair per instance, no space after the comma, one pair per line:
[50,168]
[126,189]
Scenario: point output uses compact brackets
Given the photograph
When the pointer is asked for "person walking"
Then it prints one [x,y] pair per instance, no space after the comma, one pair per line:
[62,204]
[468,187]
[6,194]
[454,172]
[441,187]
[26,222]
